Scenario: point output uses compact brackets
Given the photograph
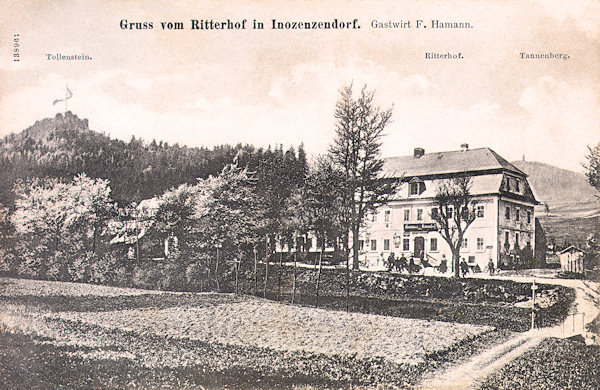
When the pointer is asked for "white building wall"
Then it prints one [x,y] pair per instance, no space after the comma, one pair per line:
[387,229]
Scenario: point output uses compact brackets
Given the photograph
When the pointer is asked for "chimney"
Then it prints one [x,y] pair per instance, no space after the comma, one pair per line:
[464,147]
[419,152]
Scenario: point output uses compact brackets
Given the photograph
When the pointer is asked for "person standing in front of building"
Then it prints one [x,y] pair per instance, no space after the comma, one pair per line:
[402,263]
[464,267]
[391,261]
[491,267]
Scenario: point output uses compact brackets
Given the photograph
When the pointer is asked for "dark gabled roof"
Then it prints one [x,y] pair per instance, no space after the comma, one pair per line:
[472,160]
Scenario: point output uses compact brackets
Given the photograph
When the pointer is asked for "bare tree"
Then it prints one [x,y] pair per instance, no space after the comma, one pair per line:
[455,213]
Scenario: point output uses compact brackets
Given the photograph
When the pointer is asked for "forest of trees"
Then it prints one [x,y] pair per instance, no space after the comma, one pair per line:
[64,146]
[77,205]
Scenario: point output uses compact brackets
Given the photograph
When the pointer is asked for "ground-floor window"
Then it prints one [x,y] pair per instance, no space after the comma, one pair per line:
[373,245]
[433,245]
[405,244]
[386,245]
[480,244]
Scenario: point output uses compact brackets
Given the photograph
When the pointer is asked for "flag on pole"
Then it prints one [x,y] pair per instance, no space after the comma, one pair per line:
[68,95]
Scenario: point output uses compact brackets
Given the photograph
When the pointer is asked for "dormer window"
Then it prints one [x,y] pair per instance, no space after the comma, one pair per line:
[517,189]
[416,187]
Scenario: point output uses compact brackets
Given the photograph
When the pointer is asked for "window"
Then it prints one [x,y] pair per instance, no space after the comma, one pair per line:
[373,245]
[506,238]
[407,215]
[480,211]
[308,243]
[419,214]
[480,244]
[374,217]
[405,244]
[516,240]
[517,185]
[388,215]
[528,216]
[386,245]
[450,212]
[507,213]
[414,188]
[517,215]
[433,245]
[434,213]
[465,244]
[361,245]
[508,184]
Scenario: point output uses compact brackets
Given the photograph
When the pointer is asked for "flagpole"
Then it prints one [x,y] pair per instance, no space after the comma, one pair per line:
[68,95]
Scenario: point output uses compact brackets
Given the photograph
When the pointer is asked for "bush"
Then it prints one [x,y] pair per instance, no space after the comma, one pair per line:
[102,269]
[56,267]
[145,277]
[78,269]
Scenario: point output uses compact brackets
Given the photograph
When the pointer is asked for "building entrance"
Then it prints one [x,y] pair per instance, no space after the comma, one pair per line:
[419,247]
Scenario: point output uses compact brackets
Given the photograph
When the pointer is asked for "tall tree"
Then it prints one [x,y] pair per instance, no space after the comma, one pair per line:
[356,151]
[53,217]
[228,217]
[593,175]
[454,214]
[593,166]
[323,202]
[294,228]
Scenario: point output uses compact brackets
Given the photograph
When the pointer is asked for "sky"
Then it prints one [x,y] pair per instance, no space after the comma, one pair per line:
[267,87]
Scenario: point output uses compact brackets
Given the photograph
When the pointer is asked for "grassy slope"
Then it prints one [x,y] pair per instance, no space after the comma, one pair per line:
[554,364]
[25,363]
[78,354]
[473,301]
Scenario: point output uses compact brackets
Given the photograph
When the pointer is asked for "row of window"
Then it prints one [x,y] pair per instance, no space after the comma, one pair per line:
[433,244]
[507,214]
[517,243]
[479,212]
[480,243]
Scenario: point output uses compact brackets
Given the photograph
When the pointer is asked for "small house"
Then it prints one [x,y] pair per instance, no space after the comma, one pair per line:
[571,260]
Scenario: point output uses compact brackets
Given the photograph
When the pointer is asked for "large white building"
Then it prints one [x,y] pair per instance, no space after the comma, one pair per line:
[504,230]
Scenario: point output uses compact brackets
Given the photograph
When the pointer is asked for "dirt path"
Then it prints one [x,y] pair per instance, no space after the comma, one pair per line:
[470,374]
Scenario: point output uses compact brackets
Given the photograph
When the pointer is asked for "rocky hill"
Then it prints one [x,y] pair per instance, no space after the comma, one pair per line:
[64,146]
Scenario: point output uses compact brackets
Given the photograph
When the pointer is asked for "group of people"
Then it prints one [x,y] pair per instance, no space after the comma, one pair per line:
[402,263]
[410,265]
[464,267]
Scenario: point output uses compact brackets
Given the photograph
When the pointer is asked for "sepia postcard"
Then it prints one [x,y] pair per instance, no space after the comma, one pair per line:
[300,194]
